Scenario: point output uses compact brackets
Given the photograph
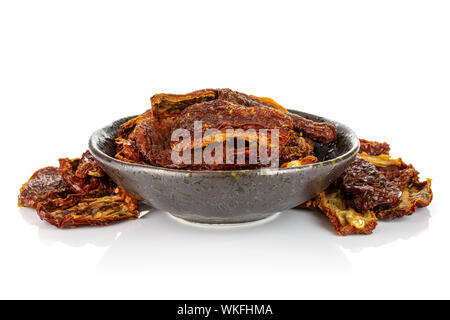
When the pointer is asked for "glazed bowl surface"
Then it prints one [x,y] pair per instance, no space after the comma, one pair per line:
[232,196]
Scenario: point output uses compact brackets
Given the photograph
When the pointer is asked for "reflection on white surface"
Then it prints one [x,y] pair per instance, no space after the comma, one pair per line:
[404,228]
[295,255]
[294,240]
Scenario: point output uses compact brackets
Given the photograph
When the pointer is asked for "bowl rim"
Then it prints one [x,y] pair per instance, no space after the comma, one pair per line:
[98,153]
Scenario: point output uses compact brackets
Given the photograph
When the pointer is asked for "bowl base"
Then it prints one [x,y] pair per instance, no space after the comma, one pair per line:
[226,223]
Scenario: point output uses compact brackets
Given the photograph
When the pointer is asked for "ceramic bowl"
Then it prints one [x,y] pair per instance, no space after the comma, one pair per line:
[224,197]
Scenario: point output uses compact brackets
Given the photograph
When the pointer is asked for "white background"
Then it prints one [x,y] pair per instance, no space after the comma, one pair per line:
[70,67]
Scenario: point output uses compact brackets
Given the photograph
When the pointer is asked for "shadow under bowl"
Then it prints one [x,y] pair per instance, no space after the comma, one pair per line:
[232,196]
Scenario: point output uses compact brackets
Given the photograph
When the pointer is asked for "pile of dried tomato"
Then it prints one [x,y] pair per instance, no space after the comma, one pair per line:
[375,186]
[77,193]
[147,138]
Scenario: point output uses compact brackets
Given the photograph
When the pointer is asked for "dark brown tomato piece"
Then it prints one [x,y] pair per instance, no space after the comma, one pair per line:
[230,121]
[78,210]
[297,147]
[395,170]
[415,195]
[246,100]
[98,184]
[45,184]
[170,105]
[88,166]
[126,150]
[222,115]
[373,147]
[367,187]
[322,132]
[126,129]
[153,137]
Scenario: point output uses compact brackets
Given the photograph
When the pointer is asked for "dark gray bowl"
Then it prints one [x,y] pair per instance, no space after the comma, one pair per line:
[233,196]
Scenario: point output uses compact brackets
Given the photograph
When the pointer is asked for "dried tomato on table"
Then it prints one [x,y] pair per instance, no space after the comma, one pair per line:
[372,187]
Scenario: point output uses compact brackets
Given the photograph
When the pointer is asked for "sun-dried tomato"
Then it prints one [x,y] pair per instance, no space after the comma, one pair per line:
[84,183]
[45,184]
[78,210]
[322,132]
[367,187]
[345,219]
[153,138]
[373,147]
[168,104]
[414,193]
